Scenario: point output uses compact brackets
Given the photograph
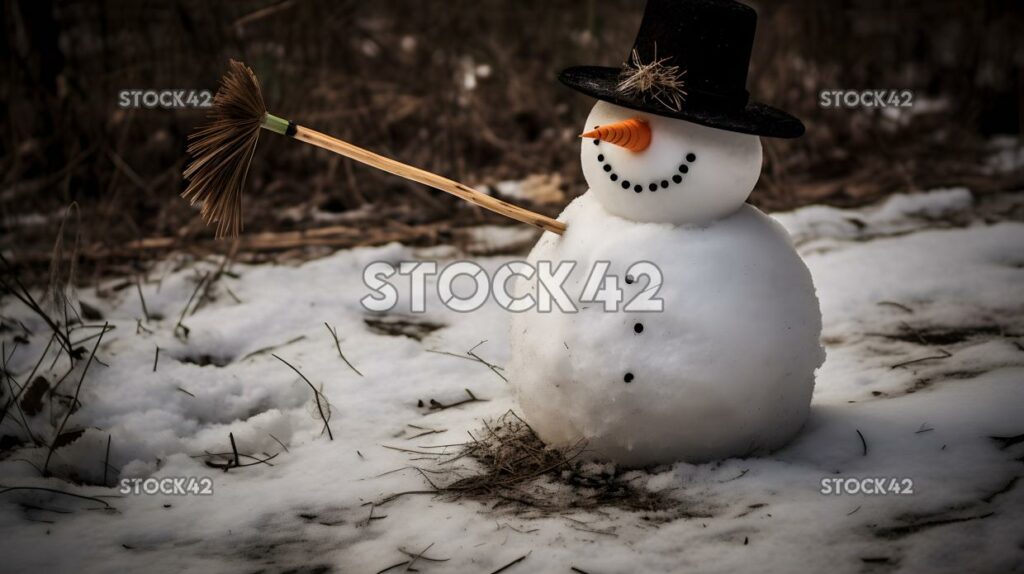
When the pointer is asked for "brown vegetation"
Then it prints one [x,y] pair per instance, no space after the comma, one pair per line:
[464,89]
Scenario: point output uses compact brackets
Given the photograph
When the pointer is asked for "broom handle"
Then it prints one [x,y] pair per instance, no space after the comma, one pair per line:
[416,174]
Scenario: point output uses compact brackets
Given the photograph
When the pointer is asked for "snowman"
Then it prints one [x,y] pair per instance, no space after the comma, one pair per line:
[702,339]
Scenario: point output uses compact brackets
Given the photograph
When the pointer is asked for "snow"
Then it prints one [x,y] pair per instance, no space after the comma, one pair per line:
[922,326]
[895,215]
[1006,155]
[725,369]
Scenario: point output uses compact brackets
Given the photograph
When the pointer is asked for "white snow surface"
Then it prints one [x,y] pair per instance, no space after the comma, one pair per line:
[726,369]
[922,324]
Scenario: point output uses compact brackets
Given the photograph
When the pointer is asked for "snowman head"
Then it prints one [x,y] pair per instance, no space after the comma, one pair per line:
[685,174]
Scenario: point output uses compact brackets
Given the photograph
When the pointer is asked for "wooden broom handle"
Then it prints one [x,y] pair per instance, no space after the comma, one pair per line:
[416,174]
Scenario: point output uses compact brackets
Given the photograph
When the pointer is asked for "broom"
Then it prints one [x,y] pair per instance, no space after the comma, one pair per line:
[222,151]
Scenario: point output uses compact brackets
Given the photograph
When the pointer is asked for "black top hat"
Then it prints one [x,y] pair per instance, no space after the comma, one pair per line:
[689,61]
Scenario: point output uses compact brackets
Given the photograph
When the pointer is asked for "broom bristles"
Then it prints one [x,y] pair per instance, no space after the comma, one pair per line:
[222,150]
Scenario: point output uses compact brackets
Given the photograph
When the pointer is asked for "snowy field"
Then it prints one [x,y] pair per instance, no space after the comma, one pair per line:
[924,382]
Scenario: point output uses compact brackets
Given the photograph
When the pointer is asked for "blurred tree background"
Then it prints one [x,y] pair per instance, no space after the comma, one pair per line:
[466,89]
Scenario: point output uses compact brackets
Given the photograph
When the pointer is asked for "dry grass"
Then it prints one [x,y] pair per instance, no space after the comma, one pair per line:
[506,465]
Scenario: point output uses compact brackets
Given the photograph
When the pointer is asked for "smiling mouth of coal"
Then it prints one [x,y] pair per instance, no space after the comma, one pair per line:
[640,186]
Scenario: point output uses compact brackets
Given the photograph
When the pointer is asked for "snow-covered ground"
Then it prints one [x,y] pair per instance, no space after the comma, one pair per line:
[924,329]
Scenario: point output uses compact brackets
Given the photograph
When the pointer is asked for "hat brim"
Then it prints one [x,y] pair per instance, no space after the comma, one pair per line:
[758,119]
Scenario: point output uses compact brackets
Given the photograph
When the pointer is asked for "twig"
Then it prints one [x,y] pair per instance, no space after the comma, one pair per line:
[278,441]
[316,395]
[511,564]
[737,477]
[337,344]
[472,356]
[6,489]
[272,347]
[78,389]
[494,368]
[93,336]
[15,397]
[438,406]
[10,385]
[156,357]
[234,448]
[106,462]
[593,530]
[42,509]
[898,531]
[4,357]
[262,13]
[413,559]
[26,297]
[425,432]
[1002,490]
[945,355]
[138,288]
[899,306]
[186,392]
[207,294]
[179,326]
[392,567]
[863,443]
[60,381]
[397,495]
[416,468]
[232,294]
[421,554]
[513,528]
[371,517]
[226,466]
[408,450]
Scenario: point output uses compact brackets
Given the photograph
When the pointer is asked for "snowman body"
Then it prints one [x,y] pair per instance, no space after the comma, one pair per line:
[726,367]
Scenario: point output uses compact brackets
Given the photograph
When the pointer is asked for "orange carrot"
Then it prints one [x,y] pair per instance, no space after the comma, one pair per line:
[633,134]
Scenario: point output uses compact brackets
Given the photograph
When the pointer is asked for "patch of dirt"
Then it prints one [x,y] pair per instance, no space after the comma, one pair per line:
[401,326]
[32,399]
[205,359]
[922,383]
[915,524]
[939,336]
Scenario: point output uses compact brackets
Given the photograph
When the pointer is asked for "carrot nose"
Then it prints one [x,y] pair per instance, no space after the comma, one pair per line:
[633,134]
